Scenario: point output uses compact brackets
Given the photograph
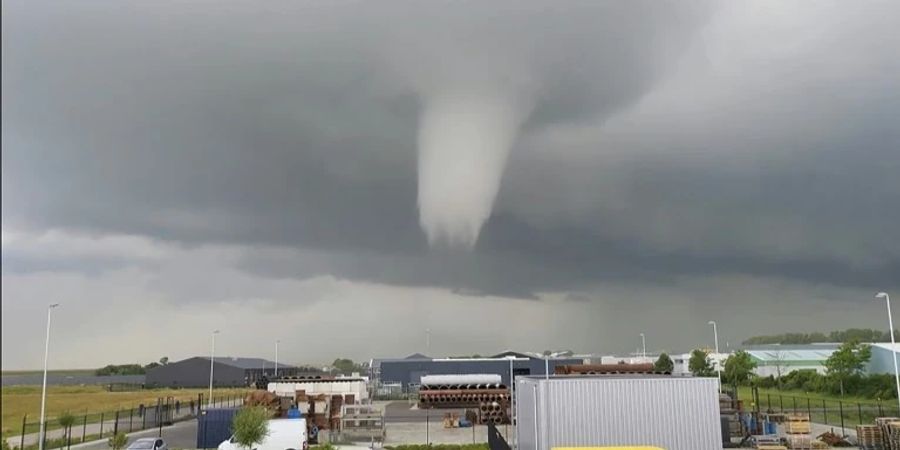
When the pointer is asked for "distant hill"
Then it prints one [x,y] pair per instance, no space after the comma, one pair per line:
[859,334]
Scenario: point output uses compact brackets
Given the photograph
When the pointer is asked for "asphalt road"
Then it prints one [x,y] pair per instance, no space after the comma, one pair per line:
[180,435]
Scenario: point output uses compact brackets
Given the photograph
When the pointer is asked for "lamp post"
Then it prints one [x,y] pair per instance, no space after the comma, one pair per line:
[643,346]
[43,432]
[212,359]
[716,361]
[887,300]
[276,358]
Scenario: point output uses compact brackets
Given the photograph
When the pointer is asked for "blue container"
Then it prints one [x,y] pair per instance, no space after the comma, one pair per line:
[771,428]
[294,413]
[214,426]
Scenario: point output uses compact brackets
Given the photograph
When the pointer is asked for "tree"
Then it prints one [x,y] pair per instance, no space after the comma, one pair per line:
[700,364]
[250,426]
[346,366]
[738,367]
[664,364]
[164,360]
[848,360]
[780,362]
[66,420]
[118,441]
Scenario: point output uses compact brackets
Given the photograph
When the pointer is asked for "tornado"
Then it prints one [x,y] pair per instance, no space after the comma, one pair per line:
[464,142]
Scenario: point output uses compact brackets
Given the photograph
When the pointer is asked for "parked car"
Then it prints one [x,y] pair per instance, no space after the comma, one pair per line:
[148,444]
[284,434]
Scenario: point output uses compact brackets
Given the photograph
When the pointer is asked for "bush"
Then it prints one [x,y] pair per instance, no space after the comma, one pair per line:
[250,426]
[118,441]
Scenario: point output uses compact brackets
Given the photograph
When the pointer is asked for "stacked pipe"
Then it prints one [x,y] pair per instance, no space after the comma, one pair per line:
[490,399]
[607,369]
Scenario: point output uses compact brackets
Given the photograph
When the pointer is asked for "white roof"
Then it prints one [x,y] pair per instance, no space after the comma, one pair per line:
[791,355]
[887,346]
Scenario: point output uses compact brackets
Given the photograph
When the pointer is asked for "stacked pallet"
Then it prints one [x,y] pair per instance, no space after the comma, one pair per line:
[797,428]
[797,424]
[799,441]
[870,437]
[891,437]
[883,424]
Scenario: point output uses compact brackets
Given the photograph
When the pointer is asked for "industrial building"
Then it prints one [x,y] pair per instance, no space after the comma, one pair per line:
[882,360]
[227,372]
[407,372]
[770,359]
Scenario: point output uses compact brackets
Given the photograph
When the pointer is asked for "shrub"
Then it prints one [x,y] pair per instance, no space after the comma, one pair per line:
[250,426]
[118,441]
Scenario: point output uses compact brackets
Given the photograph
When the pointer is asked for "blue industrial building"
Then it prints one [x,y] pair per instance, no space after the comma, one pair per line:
[408,371]
[882,360]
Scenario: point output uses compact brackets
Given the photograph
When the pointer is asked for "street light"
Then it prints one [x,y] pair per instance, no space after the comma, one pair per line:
[42,434]
[887,299]
[716,361]
[276,358]
[212,358]
[643,346]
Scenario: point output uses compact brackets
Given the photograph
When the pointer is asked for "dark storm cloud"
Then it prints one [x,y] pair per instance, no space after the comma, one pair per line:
[292,126]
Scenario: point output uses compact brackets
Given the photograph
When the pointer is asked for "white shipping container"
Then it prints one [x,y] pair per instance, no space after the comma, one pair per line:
[489,378]
[674,413]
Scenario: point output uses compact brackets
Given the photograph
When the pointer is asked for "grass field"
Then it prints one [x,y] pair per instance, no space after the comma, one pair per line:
[833,410]
[17,401]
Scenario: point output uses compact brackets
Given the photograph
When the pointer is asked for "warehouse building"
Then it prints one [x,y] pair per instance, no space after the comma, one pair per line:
[770,359]
[227,372]
[882,360]
[407,372]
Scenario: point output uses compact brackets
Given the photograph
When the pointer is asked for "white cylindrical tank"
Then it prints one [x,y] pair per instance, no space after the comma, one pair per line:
[486,378]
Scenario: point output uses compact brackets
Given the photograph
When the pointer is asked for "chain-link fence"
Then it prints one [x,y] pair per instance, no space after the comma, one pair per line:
[836,413]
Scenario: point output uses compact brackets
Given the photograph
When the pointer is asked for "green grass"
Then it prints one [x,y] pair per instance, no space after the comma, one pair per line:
[90,400]
[827,409]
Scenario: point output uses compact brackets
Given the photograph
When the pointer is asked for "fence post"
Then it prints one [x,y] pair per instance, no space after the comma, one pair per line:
[841,407]
[768,402]
[880,411]
[825,411]
[84,427]
[69,437]
[159,415]
[795,404]
[131,420]
[101,425]
[809,409]
[22,441]
[143,417]
[780,403]
[859,410]
[116,424]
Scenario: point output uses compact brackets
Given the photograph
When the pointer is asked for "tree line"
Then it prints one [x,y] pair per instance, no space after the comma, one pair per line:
[848,335]
[129,369]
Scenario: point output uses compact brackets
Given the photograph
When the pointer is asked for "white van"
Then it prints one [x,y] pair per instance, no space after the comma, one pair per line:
[284,434]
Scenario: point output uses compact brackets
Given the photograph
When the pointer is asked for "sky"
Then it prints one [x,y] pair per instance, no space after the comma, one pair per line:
[530,175]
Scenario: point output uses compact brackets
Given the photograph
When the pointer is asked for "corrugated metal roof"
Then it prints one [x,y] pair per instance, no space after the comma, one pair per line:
[248,363]
[788,355]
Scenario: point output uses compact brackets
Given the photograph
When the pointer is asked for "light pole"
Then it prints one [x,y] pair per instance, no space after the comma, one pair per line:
[212,359]
[43,432]
[887,299]
[643,346]
[276,358]
[716,361]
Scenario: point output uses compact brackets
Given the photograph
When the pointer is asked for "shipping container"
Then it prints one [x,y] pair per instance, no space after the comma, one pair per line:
[674,413]
[214,426]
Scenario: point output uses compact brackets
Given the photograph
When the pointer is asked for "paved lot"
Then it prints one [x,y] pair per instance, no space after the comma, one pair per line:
[178,436]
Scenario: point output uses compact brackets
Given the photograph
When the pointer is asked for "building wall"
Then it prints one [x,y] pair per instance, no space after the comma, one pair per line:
[409,372]
[882,361]
[194,372]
